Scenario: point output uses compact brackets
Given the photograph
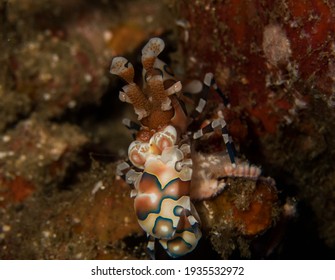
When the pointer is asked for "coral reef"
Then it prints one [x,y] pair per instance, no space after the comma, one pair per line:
[54,58]
[275,61]
[242,211]
[37,156]
[273,54]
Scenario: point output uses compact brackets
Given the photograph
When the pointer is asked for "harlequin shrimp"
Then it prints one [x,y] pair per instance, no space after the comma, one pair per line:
[160,168]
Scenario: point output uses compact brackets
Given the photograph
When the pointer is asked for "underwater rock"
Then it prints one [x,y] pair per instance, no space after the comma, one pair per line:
[270,57]
[95,220]
[37,155]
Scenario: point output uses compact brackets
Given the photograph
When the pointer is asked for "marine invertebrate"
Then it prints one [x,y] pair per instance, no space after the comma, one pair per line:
[160,165]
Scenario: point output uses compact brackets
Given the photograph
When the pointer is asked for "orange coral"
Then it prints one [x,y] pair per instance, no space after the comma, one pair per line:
[259,215]
[271,51]
[15,191]
[246,206]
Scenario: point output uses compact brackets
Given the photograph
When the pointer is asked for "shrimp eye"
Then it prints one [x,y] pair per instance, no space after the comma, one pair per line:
[138,153]
[164,139]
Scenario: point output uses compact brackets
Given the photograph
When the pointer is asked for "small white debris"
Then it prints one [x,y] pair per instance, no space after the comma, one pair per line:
[76,220]
[6,154]
[74,50]
[287,119]
[72,104]
[32,46]
[149,19]
[183,23]
[88,78]
[205,165]
[22,158]
[99,185]
[6,228]
[108,35]
[192,59]
[301,104]
[55,58]
[46,233]
[46,96]
[79,256]
[6,138]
